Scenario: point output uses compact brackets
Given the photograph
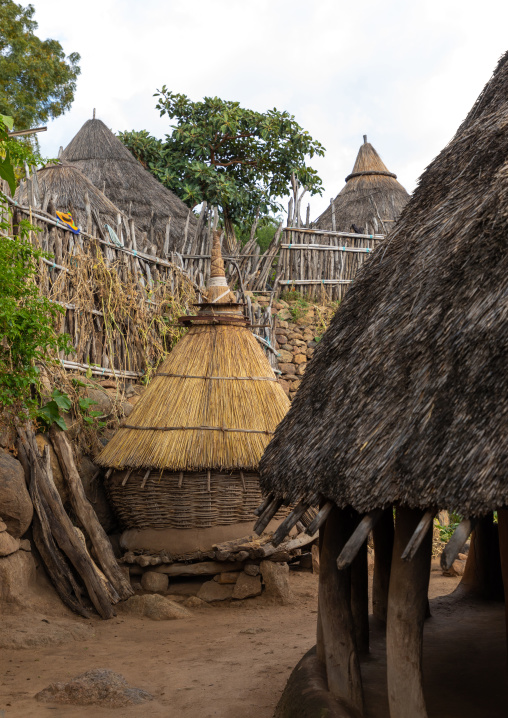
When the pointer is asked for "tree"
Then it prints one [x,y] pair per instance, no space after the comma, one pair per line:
[37,80]
[238,159]
[28,320]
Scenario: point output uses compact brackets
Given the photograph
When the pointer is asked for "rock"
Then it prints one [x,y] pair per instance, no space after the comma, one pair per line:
[127,407]
[252,569]
[287,368]
[459,567]
[95,493]
[8,544]
[104,400]
[7,436]
[276,580]
[58,477]
[443,518]
[312,344]
[462,557]
[284,315]
[282,324]
[16,506]
[247,586]
[295,385]
[99,686]
[300,370]
[309,353]
[155,582]
[300,359]
[213,591]
[155,607]
[227,577]
[17,578]
[285,357]
[133,400]
[195,602]
[3,526]
[281,339]
[18,632]
[252,631]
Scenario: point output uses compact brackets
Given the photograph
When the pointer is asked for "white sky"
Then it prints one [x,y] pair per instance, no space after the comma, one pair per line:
[404,72]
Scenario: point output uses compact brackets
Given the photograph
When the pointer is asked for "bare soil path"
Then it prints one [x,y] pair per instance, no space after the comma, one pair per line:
[226,661]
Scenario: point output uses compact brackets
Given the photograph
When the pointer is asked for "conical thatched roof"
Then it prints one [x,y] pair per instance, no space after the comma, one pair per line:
[100,155]
[213,404]
[372,199]
[406,398]
[67,187]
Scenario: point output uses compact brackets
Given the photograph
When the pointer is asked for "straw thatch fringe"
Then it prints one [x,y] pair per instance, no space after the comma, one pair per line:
[406,397]
[243,413]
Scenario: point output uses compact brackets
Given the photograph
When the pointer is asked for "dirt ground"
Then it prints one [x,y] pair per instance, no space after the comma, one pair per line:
[230,661]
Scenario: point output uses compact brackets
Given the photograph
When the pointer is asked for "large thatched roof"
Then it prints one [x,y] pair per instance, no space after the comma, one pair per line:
[100,155]
[214,402]
[406,398]
[371,199]
[67,187]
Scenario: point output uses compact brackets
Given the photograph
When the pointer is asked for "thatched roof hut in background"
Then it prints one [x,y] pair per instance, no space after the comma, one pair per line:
[186,463]
[371,199]
[101,156]
[405,404]
[68,190]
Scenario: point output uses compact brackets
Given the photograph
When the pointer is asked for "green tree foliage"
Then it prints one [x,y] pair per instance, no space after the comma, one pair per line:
[232,157]
[28,320]
[37,80]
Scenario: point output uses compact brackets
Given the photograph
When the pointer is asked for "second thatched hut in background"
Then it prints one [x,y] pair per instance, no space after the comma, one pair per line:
[370,201]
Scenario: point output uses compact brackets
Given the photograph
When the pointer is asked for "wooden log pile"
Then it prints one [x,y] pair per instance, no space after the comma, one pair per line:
[79,581]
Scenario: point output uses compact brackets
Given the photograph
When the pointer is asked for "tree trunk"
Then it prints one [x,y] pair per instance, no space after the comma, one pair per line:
[229,232]
[407,604]
[336,632]
[383,549]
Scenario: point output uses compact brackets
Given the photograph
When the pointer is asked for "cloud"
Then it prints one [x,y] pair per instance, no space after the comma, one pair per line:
[406,74]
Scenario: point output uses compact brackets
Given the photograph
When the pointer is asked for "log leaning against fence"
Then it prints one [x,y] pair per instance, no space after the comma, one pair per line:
[87,516]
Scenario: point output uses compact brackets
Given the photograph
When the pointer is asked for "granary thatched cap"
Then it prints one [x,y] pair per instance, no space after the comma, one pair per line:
[214,402]
[406,397]
[102,157]
[371,199]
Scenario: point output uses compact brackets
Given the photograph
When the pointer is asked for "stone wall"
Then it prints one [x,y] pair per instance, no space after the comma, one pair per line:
[299,327]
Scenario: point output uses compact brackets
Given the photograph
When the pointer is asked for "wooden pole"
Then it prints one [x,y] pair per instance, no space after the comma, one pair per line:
[383,549]
[407,606]
[336,632]
[502,517]
[482,575]
[360,599]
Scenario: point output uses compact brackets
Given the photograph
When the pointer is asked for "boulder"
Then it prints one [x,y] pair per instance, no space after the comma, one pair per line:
[58,478]
[104,400]
[8,544]
[155,607]
[155,582]
[17,578]
[300,358]
[99,686]
[195,602]
[213,591]
[247,586]
[16,505]
[287,368]
[276,581]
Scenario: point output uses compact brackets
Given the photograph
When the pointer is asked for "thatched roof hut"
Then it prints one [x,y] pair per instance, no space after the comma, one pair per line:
[405,405]
[371,199]
[101,156]
[188,456]
[68,190]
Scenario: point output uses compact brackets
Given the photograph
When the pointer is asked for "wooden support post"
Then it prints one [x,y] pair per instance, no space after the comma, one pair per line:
[336,634]
[502,516]
[482,575]
[407,606]
[383,549]
[360,599]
